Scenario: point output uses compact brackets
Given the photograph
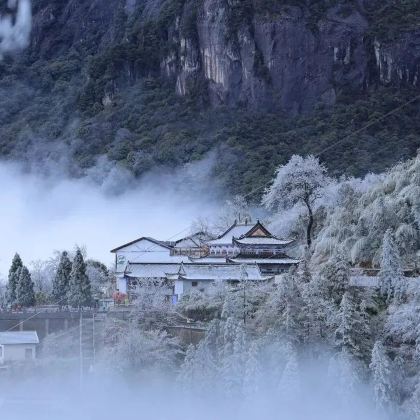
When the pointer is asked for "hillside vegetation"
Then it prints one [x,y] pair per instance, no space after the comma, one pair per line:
[92,83]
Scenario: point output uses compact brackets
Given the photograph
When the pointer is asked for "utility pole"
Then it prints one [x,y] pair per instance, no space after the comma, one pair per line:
[243,287]
[81,348]
[93,339]
[244,278]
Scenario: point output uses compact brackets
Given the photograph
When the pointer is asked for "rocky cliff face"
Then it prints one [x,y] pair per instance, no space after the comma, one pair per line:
[284,57]
[164,82]
[280,61]
[276,61]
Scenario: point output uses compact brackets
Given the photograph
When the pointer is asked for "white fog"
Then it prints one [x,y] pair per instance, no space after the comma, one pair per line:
[43,213]
[298,299]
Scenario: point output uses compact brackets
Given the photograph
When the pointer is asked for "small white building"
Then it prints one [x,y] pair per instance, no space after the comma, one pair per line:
[18,346]
[146,251]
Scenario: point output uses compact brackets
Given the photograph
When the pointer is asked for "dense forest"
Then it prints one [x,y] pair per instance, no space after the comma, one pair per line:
[164,82]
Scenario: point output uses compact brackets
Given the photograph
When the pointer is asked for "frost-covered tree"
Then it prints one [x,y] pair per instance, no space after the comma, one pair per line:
[303,272]
[99,276]
[352,333]
[391,278]
[80,293]
[335,277]
[289,385]
[235,210]
[344,371]
[234,303]
[61,280]
[13,279]
[43,273]
[3,295]
[319,313]
[132,351]
[187,373]
[415,402]
[300,182]
[25,295]
[253,370]
[381,369]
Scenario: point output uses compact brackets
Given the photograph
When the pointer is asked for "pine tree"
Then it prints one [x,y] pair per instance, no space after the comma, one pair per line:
[290,383]
[79,287]
[252,371]
[187,372]
[13,279]
[319,312]
[391,278]
[380,367]
[228,365]
[352,334]
[364,332]
[61,280]
[25,295]
[344,370]
[335,276]
[292,316]
[303,273]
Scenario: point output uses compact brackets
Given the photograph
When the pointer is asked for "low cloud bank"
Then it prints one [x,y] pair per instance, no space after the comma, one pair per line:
[108,398]
[104,209]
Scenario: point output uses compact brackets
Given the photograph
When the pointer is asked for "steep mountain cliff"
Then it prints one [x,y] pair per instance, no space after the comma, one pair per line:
[163,82]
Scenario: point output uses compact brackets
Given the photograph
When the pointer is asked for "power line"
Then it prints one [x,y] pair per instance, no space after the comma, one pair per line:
[334,144]
[33,316]
[370,124]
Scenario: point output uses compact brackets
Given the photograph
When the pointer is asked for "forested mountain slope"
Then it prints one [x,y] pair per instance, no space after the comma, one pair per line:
[163,82]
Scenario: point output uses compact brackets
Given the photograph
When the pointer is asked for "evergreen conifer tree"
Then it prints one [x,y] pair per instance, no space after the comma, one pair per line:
[80,293]
[352,334]
[61,280]
[13,279]
[381,376]
[25,295]
[335,276]
[290,383]
[292,316]
[252,370]
[391,278]
[188,371]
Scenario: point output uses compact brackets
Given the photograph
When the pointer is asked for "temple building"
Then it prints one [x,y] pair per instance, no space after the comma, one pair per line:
[258,246]
[247,250]
[181,278]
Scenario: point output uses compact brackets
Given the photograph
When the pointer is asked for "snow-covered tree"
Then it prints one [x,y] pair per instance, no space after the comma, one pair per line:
[289,385]
[25,295]
[300,182]
[352,333]
[381,369]
[233,305]
[345,375]
[253,371]
[3,295]
[79,294]
[13,279]
[43,273]
[132,351]
[187,373]
[99,276]
[391,278]
[61,282]
[152,296]
[234,210]
[319,313]
[415,402]
[335,276]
